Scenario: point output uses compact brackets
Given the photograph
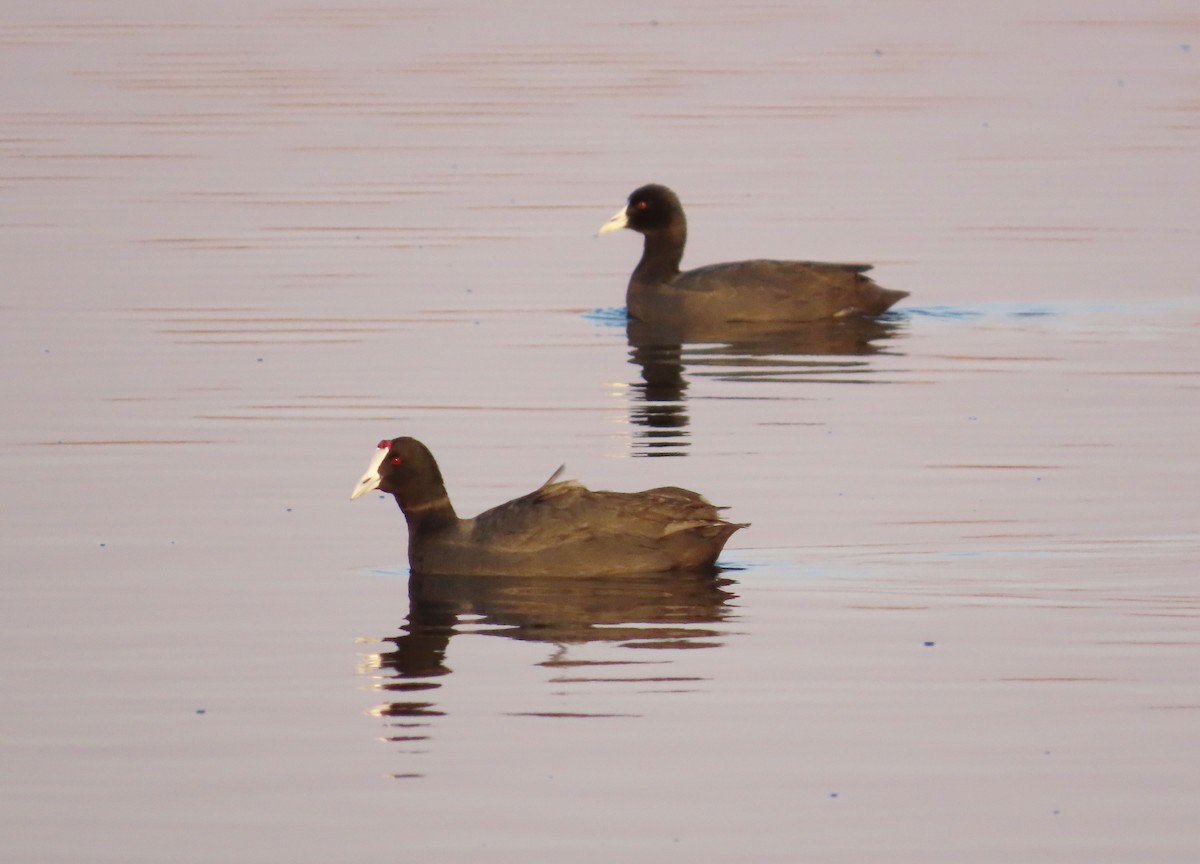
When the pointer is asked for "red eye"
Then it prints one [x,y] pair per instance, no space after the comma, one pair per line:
[384,445]
[641,205]
[396,460]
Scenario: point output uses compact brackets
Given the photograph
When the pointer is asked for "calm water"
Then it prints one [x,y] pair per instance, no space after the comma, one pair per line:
[244,242]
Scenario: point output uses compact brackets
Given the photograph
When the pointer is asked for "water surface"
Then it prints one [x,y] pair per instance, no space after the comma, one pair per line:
[243,243]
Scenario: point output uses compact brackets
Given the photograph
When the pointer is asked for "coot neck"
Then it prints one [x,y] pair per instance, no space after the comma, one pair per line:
[426,512]
[661,253]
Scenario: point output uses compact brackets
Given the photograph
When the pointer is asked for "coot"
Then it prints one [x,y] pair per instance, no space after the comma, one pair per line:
[561,528]
[761,290]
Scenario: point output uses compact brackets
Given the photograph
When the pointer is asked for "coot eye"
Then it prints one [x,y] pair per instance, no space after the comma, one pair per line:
[641,205]
[396,460]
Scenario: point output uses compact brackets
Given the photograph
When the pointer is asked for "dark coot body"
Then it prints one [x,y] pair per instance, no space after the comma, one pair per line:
[761,290]
[561,528]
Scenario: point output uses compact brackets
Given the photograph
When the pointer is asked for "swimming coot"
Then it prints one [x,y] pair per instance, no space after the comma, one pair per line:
[560,528]
[744,291]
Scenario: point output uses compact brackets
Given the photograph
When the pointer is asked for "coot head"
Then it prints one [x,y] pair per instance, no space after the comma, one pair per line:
[403,467]
[651,209]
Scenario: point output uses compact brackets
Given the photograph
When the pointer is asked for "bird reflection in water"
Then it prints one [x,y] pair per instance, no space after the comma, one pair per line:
[820,351]
[675,610]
